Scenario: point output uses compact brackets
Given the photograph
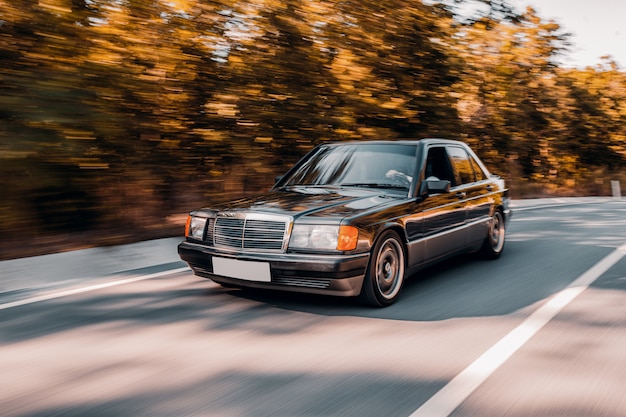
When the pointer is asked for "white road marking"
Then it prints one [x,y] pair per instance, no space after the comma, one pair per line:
[73,291]
[446,400]
[564,202]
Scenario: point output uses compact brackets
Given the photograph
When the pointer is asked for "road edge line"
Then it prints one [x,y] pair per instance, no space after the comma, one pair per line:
[65,293]
[558,204]
[448,398]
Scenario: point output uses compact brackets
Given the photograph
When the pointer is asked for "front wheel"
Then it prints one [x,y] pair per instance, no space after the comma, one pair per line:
[385,273]
[494,242]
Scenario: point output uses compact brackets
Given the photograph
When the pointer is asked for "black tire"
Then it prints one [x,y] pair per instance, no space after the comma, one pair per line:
[385,273]
[496,234]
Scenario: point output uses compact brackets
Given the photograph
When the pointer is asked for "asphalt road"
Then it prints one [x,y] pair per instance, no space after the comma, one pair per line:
[539,332]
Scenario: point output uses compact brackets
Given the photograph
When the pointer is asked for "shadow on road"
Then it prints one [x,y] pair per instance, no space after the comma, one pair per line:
[542,257]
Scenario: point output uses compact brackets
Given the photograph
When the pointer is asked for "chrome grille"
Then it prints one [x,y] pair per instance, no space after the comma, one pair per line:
[254,232]
[302,282]
[229,232]
[209,231]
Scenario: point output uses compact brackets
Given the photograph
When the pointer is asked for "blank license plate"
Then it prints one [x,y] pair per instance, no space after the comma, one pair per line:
[248,270]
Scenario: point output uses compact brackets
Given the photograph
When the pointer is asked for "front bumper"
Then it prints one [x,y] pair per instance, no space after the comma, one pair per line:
[340,275]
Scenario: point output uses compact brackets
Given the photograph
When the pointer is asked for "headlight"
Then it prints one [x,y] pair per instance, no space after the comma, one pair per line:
[195,227]
[304,236]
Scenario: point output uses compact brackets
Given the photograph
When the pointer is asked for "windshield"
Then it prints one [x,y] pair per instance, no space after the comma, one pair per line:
[357,165]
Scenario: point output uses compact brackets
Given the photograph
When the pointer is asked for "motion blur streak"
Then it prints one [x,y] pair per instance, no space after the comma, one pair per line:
[112,108]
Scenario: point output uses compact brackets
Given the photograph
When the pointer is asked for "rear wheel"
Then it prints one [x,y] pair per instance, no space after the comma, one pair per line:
[385,273]
[494,242]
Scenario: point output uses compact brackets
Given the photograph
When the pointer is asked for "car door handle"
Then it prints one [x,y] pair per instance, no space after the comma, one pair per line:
[460,194]
[490,188]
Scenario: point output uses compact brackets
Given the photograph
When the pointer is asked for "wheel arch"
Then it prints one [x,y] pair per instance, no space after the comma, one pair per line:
[502,209]
[400,231]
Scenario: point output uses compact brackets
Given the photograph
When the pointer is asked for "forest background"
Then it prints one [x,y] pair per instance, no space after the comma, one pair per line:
[117,117]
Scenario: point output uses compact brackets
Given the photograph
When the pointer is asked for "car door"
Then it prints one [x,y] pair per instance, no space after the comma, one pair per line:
[444,214]
[473,187]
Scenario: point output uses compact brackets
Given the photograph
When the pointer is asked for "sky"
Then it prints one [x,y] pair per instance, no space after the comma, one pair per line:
[597,27]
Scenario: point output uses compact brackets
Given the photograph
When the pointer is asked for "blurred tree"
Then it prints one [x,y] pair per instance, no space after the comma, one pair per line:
[506,96]
[115,114]
[403,88]
[47,124]
[595,130]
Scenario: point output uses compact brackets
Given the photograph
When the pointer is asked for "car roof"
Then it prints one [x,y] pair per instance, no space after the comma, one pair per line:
[424,141]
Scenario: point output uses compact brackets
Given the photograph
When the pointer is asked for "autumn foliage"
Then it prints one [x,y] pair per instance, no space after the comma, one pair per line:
[118,116]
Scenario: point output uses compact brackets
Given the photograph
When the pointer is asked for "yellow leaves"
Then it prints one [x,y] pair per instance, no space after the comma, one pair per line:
[93,165]
[223,109]
[394,103]
[57,6]
[210,135]
[235,60]
[106,58]
[280,97]
[172,124]
[263,139]
[105,53]
[180,6]
[8,154]
[223,106]
[347,70]
[169,143]
[75,134]
[253,90]
[344,132]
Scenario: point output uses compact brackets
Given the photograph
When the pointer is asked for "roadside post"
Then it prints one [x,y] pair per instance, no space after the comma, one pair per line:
[615,187]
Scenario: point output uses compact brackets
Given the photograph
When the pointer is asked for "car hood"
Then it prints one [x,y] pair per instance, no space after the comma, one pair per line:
[313,202]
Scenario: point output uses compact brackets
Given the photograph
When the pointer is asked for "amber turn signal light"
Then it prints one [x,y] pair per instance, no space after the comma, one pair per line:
[348,238]
[187,225]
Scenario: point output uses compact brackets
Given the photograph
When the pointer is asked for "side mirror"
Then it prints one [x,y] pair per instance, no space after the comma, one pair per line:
[436,186]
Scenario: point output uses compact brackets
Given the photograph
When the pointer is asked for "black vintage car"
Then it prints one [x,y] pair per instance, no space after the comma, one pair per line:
[353,219]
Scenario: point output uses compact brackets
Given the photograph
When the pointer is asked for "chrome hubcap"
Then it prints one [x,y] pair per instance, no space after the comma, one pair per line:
[496,232]
[390,269]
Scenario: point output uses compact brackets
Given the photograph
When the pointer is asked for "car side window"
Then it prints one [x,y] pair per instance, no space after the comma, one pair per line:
[478,172]
[438,165]
[462,165]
